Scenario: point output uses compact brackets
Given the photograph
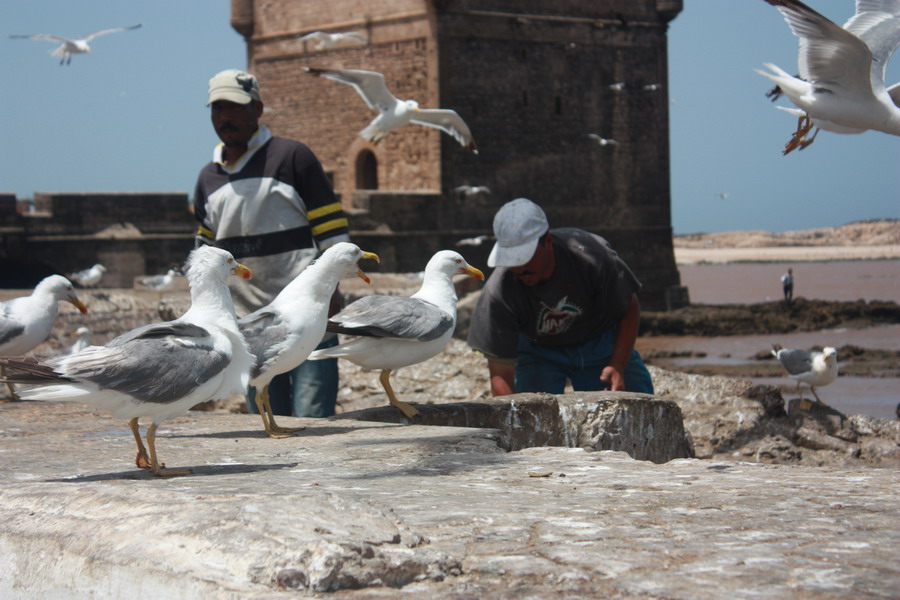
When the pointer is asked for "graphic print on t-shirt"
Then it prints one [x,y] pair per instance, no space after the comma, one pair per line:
[553,320]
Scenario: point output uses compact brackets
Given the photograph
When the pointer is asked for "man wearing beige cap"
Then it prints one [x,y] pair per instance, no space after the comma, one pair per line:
[267,200]
[560,305]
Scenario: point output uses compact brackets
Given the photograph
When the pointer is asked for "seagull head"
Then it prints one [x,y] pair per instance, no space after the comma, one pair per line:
[412,105]
[830,354]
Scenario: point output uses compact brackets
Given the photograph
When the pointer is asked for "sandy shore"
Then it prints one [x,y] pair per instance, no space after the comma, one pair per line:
[692,256]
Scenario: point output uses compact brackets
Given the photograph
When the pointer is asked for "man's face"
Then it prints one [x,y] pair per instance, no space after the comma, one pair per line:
[235,123]
[541,265]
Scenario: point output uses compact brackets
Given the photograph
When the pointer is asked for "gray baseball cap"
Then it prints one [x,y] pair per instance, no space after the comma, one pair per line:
[518,226]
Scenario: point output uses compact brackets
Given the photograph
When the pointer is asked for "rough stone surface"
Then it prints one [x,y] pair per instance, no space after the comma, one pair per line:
[644,427]
[378,510]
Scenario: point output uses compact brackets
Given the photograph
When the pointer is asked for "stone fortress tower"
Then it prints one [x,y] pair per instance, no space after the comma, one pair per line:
[531,78]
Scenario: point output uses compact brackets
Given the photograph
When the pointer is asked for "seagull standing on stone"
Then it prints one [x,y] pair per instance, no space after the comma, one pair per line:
[330,40]
[26,322]
[159,370]
[283,333]
[394,113]
[813,368]
[396,332]
[160,283]
[840,87]
[82,337]
[89,277]
[69,47]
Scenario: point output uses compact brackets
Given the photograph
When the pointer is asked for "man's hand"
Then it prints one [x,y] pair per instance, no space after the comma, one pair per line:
[614,378]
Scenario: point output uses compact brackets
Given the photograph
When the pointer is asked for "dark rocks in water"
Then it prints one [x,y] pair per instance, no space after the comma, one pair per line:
[768,317]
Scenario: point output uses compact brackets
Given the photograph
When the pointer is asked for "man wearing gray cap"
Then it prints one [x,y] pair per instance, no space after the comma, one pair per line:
[560,305]
[267,200]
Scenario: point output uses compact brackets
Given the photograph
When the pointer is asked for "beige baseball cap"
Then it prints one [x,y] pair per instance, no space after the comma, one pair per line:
[234,86]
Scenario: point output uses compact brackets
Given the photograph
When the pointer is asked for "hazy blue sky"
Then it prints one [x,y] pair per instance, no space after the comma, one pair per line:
[132,116]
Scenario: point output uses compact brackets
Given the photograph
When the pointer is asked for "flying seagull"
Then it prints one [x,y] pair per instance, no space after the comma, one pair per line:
[69,47]
[468,191]
[813,368]
[840,87]
[283,333]
[330,40]
[89,277]
[396,332]
[394,113]
[159,370]
[26,322]
[602,141]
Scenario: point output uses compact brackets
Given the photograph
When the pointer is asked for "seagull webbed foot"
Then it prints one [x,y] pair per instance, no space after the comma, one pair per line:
[273,430]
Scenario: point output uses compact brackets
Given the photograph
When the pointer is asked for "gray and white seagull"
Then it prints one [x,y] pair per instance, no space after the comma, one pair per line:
[281,334]
[394,113]
[811,367]
[71,46]
[840,87]
[327,40]
[395,332]
[159,370]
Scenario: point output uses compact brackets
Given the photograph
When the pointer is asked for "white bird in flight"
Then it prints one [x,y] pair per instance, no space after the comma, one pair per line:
[467,191]
[394,113]
[330,40]
[602,140]
[69,47]
[840,87]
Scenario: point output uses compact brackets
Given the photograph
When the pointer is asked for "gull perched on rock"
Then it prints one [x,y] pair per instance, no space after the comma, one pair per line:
[394,113]
[396,332]
[811,367]
[330,40]
[89,277]
[82,337]
[26,322]
[840,87]
[159,370]
[75,46]
[160,283]
[282,334]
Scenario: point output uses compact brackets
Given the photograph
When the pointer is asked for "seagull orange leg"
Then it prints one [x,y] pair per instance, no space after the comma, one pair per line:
[804,124]
[141,460]
[12,390]
[155,466]
[273,430]
[404,407]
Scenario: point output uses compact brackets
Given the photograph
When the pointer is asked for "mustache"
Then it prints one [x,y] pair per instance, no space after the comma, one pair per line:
[228,127]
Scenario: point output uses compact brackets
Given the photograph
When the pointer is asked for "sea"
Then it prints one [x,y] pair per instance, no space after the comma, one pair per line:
[750,283]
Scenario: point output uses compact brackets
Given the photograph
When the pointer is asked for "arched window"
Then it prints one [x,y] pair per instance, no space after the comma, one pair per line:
[366,171]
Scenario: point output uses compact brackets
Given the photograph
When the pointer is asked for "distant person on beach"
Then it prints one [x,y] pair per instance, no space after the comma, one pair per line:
[787,284]
[561,304]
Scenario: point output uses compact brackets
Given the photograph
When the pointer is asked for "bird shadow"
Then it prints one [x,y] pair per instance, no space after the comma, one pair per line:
[195,471]
[259,433]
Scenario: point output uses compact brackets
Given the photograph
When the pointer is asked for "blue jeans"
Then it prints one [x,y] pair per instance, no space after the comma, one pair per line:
[310,390]
[546,368]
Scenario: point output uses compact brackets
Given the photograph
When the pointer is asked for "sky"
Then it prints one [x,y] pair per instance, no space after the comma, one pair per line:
[132,116]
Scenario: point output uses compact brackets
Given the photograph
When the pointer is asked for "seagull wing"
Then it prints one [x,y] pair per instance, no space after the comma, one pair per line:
[355,35]
[96,34]
[9,328]
[877,23]
[266,334]
[447,121]
[48,37]
[796,361]
[369,84]
[830,56]
[392,317]
[315,35]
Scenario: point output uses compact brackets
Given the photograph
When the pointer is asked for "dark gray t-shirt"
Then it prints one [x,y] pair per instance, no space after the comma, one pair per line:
[588,293]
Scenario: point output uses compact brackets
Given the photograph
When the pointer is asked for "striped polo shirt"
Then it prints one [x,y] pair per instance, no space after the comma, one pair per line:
[274,210]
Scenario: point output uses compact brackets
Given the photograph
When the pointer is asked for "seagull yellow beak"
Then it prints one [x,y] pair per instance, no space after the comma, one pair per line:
[359,272]
[241,271]
[472,272]
[78,303]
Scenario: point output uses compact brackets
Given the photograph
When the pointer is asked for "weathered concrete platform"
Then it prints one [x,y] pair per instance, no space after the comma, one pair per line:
[380,510]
